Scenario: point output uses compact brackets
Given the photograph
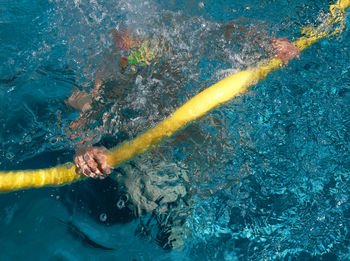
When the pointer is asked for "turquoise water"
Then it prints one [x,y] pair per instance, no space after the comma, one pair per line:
[268,172]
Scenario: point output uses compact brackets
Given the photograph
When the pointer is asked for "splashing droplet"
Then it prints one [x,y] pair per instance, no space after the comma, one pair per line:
[53,140]
[103,217]
[27,139]
[121,203]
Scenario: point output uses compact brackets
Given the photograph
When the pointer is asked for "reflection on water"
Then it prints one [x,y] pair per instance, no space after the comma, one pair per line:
[261,177]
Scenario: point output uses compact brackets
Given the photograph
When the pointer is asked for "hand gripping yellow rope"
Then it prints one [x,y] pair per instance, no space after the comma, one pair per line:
[199,105]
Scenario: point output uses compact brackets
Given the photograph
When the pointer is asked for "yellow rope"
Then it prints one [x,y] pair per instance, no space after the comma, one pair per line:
[199,105]
[59,175]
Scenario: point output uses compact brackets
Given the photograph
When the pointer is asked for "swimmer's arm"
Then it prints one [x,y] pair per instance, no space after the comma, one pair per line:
[279,47]
[80,100]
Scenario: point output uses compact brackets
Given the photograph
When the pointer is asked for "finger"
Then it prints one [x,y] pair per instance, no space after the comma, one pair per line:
[101,159]
[103,165]
[102,177]
[81,164]
[77,165]
[92,175]
[84,168]
[90,160]
[106,169]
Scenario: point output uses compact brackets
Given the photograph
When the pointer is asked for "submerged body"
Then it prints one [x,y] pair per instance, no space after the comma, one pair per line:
[150,192]
[91,161]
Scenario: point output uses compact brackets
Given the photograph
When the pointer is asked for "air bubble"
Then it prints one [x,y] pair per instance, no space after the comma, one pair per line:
[27,139]
[103,217]
[122,201]
[68,165]
[53,140]
[121,204]
[10,155]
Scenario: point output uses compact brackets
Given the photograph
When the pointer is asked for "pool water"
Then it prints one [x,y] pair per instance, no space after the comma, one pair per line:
[267,173]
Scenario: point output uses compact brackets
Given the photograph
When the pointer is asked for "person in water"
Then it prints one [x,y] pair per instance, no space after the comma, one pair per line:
[90,161]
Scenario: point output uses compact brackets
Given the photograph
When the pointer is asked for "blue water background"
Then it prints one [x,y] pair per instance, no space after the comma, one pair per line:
[279,189]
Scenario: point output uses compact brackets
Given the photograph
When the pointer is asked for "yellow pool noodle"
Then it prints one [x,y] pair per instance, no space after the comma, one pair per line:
[196,107]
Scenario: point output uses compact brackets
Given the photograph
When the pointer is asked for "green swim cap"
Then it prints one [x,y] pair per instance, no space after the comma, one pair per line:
[145,52]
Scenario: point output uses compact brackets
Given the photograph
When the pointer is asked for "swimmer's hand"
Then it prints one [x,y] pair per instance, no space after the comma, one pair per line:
[91,162]
[284,49]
